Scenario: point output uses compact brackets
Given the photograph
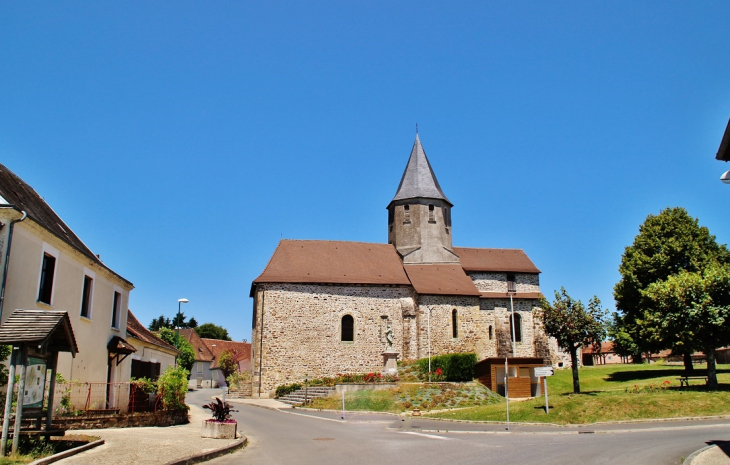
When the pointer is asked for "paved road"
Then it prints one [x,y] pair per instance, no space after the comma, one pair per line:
[277,437]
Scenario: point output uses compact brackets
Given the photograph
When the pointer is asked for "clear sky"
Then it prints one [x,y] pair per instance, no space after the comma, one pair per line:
[182,140]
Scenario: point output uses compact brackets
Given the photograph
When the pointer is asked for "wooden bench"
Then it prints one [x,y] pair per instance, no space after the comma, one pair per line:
[684,379]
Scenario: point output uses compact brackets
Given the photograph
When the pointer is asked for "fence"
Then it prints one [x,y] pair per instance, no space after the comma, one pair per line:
[93,398]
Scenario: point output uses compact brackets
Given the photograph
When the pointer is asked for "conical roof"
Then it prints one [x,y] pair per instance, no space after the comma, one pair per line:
[418,180]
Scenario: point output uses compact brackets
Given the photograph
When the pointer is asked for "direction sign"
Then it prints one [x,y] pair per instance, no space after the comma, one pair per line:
[543,371]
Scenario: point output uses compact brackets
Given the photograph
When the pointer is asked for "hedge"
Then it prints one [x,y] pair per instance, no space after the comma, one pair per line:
[455,367]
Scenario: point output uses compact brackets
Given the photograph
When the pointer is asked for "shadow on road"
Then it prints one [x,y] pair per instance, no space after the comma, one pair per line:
[723,445]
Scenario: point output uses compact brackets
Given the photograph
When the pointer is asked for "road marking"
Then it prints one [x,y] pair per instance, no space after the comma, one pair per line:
[432,436]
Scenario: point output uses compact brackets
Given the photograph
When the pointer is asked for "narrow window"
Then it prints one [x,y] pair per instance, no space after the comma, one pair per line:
[47,270]
[86,297]
[454,327]
[115,310]
[491,332]
[406,214]
[517,327]
[200,367]
[511,284]
[347,330]
[431,215]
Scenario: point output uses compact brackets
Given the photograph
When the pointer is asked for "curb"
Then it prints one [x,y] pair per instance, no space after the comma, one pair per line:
[695,455]
[67,453]
[205,456]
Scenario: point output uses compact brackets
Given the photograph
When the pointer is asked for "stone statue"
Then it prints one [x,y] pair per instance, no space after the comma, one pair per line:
[389,337]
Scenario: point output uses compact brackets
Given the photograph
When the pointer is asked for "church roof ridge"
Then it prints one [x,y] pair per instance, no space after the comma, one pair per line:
[419,180]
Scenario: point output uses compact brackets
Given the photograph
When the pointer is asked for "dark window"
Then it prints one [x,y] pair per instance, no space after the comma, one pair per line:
[431,216]
[86,297]
[46,287]
[454,326]
[491,332]
[517,327]
[406,214]
[115,309]
[142,369]
[511,284]
[348,329]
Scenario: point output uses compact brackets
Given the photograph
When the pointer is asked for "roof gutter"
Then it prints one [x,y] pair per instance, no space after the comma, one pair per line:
[7,259]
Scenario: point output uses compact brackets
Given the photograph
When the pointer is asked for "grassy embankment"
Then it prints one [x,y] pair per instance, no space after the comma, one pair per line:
[610,393]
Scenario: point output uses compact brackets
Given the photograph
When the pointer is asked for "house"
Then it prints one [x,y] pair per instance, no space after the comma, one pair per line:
[153,354]
[206,372]
[605,356]
[45,266]
[325,307]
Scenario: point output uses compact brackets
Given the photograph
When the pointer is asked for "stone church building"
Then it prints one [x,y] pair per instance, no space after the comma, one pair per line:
[323,307]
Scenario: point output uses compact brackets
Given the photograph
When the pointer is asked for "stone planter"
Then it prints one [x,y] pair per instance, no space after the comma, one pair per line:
[218,430]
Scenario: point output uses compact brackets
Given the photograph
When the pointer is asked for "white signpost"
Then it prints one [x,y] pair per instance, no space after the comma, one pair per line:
[544,372]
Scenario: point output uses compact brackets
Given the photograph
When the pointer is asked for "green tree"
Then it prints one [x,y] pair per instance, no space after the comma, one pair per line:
[693,308]
[192,322]
[212,331]
[667,243]
[227,364]
[160,322]
[186,359]
[574,326]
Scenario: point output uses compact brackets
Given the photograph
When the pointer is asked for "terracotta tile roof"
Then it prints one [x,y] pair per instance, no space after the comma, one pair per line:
[20,195]
[337,262]
[504,260]
[202,352]
[241,350]
[606,348]
[137,330]
[515,295]
[441,280]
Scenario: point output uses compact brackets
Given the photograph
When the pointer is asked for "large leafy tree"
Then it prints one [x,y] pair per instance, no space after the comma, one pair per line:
[186,359]
[227,363]
[667,244]
[212,331]
[693,309]
[574,326]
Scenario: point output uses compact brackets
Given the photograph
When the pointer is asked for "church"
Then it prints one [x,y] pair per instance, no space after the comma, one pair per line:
[325,307]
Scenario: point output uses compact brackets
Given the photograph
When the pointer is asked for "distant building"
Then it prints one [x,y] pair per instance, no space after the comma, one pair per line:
[206,372]
[153,354]
[45,266]
[324,307]
[606,356]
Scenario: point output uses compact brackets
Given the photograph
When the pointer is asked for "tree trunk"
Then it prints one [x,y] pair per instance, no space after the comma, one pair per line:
[688,367]
[574,361]
[637,358]
[711,372]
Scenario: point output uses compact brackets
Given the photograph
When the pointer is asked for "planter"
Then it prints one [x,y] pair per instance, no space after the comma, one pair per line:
[218,430]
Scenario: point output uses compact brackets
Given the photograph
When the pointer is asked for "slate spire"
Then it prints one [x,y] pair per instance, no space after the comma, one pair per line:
[418,180]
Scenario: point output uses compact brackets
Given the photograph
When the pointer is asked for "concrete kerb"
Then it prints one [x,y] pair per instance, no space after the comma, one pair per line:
[68,453]
[696,456]
[205,456]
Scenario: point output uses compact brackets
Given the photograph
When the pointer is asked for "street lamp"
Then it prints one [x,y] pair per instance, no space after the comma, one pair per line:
[725,177]
[179,303]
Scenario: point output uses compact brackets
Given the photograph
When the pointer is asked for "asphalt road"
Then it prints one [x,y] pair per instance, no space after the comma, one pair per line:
[290,437]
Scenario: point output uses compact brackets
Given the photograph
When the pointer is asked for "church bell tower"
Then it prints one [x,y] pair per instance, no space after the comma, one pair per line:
[419,216]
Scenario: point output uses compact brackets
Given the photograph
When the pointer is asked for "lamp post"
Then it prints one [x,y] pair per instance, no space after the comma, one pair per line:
[179,303]
[725,177]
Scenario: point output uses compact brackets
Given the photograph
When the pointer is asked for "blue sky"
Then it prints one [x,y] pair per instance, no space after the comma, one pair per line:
[183,141]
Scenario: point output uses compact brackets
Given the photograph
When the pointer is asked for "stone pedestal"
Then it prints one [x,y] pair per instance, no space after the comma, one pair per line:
[218,430]
[390,362]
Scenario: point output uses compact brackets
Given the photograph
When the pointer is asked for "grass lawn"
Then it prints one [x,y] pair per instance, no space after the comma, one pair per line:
[609,393]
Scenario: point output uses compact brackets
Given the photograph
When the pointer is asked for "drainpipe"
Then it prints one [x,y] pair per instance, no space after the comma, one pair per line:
[7,260]
[261,339]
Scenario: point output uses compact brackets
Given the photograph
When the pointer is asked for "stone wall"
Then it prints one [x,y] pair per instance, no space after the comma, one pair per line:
[301,335]
[127,420]
[471,324]
[500,308]
[497,282]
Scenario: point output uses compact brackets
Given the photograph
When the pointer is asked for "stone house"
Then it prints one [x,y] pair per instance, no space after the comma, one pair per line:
[323,307]
[45,266]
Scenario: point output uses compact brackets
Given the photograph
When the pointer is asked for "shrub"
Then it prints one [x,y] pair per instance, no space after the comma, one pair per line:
[145,385]
[220,410]
[285,389]
[238,379]
[454,367]
[227,364]
[172,387]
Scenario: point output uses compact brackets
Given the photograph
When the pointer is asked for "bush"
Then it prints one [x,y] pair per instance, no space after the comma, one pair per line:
[454,367]
[172,387]
[238,379]
[285,389]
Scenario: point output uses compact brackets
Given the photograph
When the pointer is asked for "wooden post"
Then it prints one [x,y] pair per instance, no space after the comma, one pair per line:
[8,403]
[53,361]
[21,391]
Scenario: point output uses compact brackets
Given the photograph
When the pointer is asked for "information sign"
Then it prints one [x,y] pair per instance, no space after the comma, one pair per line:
[543,371]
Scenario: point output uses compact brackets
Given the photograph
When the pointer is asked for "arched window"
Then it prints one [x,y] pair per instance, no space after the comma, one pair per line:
[347,329]
[491,332]
[518,327]
[454,327]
